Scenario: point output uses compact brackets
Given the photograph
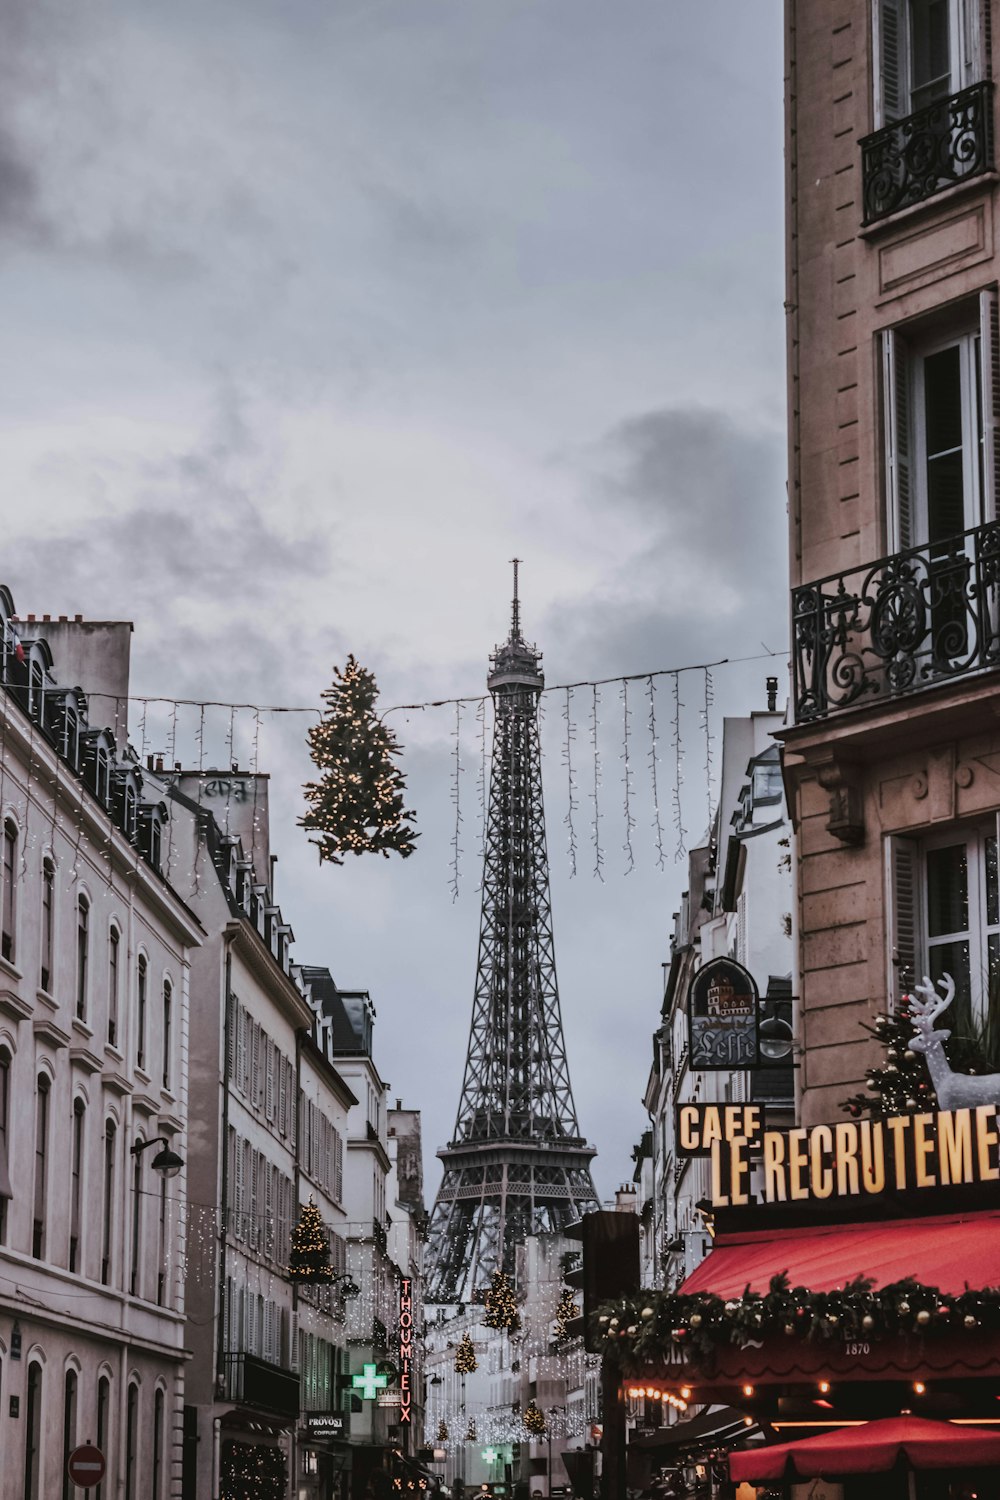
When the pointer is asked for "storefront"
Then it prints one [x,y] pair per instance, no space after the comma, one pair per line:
[853,1277]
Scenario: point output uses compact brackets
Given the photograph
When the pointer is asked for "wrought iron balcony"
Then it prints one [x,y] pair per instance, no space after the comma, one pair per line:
[897,626]
[912,159]
[257,1383]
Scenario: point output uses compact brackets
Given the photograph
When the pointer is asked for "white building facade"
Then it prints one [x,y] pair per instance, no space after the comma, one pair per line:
[95,956]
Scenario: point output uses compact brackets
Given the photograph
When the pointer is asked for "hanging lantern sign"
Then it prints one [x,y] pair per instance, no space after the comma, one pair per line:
[723,1005]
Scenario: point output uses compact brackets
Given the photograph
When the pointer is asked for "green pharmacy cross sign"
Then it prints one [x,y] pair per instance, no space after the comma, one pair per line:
[490,1455]
[369,1384]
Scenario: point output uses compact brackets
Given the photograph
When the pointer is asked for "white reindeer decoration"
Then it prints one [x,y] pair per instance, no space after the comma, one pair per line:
[954,1090]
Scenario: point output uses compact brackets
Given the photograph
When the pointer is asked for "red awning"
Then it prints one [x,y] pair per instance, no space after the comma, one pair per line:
[872,1448]
[950,1252]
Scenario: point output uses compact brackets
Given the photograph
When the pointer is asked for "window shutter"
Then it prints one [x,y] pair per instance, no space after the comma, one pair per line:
[989,357]
[230,1035]
[891,91]
[903,904]
[269,1078]
[896,403]
[282,1095]
[970,68]
[241,1049]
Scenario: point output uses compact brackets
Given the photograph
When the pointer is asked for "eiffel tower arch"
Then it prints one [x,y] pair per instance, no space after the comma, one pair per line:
[517,1164]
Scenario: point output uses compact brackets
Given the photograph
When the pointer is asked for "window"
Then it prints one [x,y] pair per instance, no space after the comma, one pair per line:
[8,907]
[36,690]
[131,1442]
[926,50]
[945,906]
[167,1039]
[69,1431]
[140,1014]
[128,813]
[156,1491]
[82,955]
[107,1221]
[76,1186]
[41,1165]
[104,1430]
[48,918]
[133,1281]
[32,1432]
[5,1192]
[940,430]
[161,1274]
[114,955]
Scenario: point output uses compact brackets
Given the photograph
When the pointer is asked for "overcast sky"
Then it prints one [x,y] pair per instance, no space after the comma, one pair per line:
[316,313]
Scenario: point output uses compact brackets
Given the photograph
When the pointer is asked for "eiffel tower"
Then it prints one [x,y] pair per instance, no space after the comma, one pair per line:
[517,1164]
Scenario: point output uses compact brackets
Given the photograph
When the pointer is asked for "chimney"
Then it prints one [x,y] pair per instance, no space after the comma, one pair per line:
[772,694]
[625,1198]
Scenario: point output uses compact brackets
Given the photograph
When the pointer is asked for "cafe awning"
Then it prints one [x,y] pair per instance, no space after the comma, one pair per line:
[949,1251]
[871,1448]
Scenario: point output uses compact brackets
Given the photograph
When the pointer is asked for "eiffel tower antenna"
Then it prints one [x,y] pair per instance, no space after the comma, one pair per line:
[517,1164]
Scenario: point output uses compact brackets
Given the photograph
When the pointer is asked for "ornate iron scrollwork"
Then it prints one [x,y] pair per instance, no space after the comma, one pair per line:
[897,625]
[913,159]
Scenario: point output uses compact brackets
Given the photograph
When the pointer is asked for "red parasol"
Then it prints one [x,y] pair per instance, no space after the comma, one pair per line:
[872,1448]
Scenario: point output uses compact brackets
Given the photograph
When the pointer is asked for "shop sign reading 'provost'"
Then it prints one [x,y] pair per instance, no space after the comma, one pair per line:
[851,1159]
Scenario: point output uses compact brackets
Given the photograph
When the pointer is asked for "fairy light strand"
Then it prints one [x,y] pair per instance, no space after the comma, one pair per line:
[598,852]
[456,797]
[706,719]
[681,848]
[627,784]
[661,857]
[571,798]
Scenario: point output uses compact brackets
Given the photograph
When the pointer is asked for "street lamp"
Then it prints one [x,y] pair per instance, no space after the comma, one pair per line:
[550,1413]
[166,1162]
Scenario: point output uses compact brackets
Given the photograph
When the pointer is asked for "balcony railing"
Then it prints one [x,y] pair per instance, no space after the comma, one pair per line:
[257,1383]
[913,159]
[897,626]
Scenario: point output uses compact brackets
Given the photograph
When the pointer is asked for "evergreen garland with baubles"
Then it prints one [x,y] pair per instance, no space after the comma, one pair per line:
[357,805]
[465,1356]
[501,1304]
[309,1260]
[900,1084]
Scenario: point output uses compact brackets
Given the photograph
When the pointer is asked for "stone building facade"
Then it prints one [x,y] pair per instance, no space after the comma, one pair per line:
[892,757]
[95,959]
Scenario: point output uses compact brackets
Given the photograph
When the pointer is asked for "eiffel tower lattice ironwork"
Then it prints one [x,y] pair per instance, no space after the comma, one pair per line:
[517,1164]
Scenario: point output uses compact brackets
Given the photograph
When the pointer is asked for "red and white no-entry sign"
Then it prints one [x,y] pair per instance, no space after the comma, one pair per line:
[86,1465]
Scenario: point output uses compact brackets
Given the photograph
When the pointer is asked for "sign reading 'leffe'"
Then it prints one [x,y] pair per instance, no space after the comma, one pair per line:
[849,1159]
[723,1006]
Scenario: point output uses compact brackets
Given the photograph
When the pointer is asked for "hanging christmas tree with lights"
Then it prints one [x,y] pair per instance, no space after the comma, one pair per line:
[534,1419]
[470,1436]
[900,1084]
[465,1356]
[566,1311]
[309,1260]
[357,805]
[501,1304]
[442,1436]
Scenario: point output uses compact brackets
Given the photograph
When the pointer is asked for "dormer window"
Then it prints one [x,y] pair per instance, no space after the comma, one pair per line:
[69,740]
[128,813]
[36,690]
[102,778]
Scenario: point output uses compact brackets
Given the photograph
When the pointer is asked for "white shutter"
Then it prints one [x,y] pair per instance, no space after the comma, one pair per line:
[898,424]
[904,911]
[238,1194]
[241,1048]
[269,1078]
[989,365]
[282,1095]
[970,30]
[892,95]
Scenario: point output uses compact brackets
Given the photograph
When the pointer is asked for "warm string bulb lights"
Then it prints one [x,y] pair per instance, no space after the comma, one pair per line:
[501,1304]
[465,1356]
[566,1311]
[357,805]
[534,1419]
[309,1260]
